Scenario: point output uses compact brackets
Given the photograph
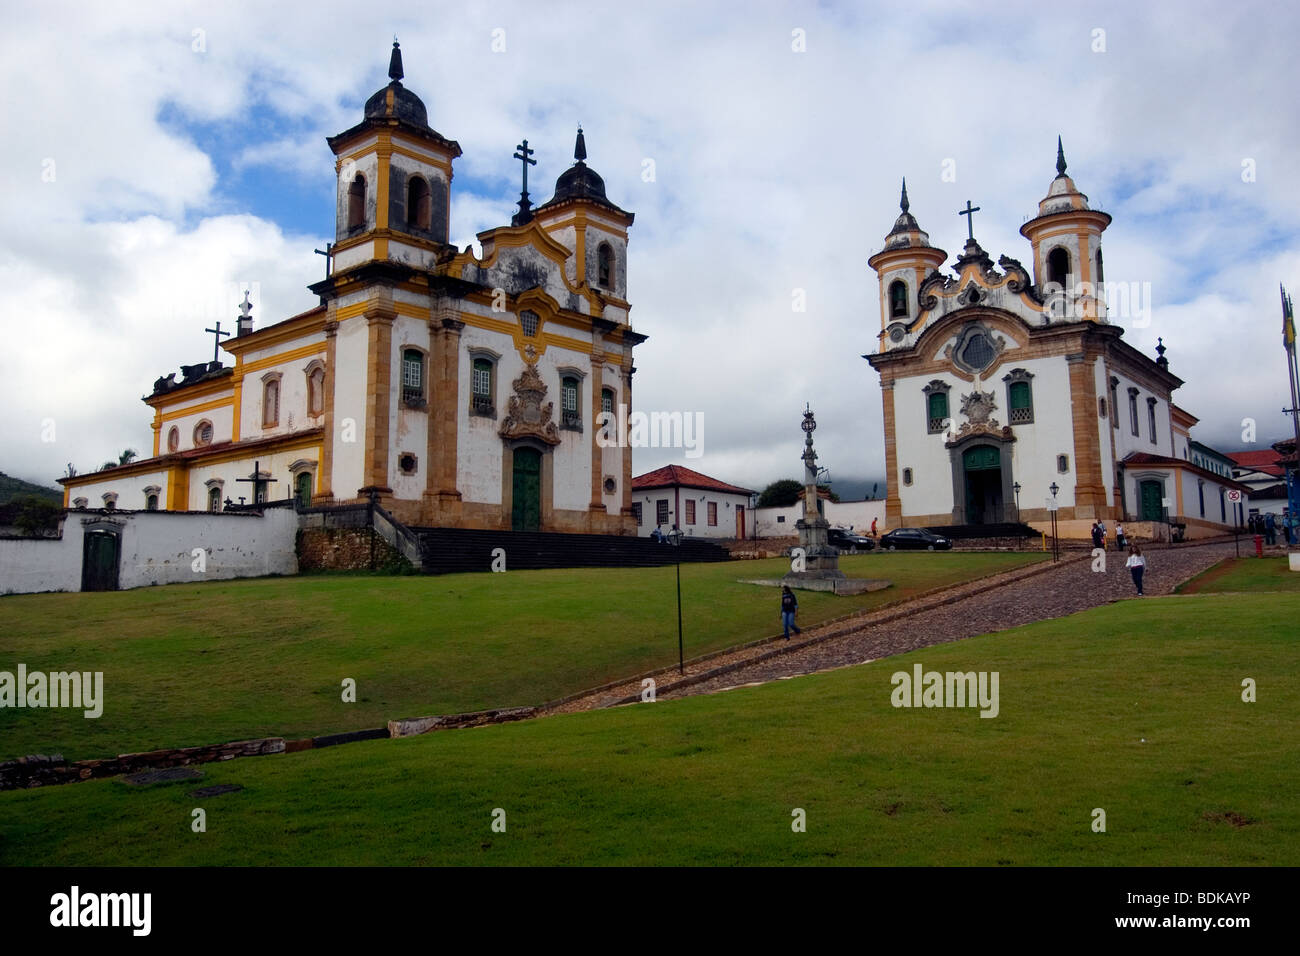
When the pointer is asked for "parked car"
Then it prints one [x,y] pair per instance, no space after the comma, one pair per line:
[849,541]
[917,539]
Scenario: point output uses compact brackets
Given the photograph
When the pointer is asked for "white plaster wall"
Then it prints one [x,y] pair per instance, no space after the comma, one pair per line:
[410,428]
[1126,440]
[276,464]
[40,564]
[478,455]
[293,394]
[157,547]
[1033,454]
[611,459]
[129,489]
[572,465]
[349,384]
[1104,431]
[931,488]
[727,505]
[222,425]
[852,515]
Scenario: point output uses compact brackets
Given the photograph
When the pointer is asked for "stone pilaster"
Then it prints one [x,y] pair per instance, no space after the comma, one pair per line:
[442,498]
[893,503]
[1089,489]
[325,479]
[380,315]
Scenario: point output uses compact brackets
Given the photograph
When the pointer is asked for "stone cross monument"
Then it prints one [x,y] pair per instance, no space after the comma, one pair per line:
[820,561]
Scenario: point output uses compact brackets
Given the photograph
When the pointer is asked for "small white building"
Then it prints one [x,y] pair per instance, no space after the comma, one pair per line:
[853,516]
[701,506]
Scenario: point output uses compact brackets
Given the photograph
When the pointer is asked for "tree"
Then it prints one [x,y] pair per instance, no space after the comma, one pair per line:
[127,456]
[780,494]
[72,471]
[36,516]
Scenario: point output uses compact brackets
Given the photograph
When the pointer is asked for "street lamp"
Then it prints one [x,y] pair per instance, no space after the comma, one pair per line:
[1016,489]
[1056,541]
[675,536]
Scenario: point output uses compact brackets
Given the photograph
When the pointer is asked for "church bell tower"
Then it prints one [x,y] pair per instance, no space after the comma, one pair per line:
[902,266]
[393,180]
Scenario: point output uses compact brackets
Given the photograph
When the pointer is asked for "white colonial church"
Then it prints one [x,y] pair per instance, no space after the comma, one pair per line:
[998,386]
[458,390]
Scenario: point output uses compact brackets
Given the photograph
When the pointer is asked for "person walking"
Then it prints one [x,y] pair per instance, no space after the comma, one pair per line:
[1096,535]
[1101,528]
[1270,529]
[1120,543]
[873,527]
[789,608]
[1136,565]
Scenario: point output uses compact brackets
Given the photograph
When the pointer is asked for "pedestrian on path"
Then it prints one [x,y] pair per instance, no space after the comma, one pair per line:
[1120,543]
[1136,565]
[1096,534]
[789,608]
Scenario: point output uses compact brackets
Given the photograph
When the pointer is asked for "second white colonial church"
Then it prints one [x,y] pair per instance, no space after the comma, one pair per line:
[998,385]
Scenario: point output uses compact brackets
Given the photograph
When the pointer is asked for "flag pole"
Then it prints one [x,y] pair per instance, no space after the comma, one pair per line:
[1288,343]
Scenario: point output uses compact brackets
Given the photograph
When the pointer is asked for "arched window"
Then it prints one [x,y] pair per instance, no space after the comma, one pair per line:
[605,266]
[897,298]
[607,400]
[1058,267]
[413,377]
[418,204]
[482,390]
[203,433]
[151,503]
[214,498]
[357,203]
[173,438]
[271,402]
[302,488]
[316,391]
[110,501]
[79,502]
[1101,274]
[571,417]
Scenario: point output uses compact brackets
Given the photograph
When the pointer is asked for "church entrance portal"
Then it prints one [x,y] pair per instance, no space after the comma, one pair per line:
[982,466]
[1152,494]
[526,509]
[99,561]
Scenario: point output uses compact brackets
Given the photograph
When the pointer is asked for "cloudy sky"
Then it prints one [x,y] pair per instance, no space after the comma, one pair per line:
[163,156]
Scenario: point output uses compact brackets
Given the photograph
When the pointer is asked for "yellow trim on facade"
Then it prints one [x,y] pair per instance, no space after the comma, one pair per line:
[193,409]
[280,358]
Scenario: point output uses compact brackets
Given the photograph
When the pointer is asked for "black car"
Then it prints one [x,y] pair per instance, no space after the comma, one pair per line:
[917,539]
[848,541]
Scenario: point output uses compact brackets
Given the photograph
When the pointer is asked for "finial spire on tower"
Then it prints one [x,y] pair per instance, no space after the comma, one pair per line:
[580,146]
[903,203]
[1060,157]
[395,63]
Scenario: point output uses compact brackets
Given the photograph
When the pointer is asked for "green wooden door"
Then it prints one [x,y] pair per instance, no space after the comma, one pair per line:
[1152,496]
[526,513]
[99,561]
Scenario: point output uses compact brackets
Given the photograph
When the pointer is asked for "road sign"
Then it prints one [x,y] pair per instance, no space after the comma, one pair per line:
[1234,495]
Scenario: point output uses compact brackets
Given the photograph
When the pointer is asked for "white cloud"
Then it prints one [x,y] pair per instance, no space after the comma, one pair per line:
[775,170]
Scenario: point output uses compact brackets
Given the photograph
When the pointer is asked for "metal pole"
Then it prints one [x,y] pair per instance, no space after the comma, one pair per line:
[681,660]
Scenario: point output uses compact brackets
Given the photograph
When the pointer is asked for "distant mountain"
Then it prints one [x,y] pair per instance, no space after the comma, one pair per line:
[856,489]
[11,488]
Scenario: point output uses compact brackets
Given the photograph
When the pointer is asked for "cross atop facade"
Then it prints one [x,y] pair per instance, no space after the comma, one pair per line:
[217,334]
[328,253]
[258,483]
[522,154]
[969,213]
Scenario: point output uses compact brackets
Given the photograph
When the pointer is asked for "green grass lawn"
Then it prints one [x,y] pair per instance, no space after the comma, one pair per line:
[1245,574]
[197,664]
[1133,708]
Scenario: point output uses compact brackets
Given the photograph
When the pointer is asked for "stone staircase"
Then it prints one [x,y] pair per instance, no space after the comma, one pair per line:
[455,550]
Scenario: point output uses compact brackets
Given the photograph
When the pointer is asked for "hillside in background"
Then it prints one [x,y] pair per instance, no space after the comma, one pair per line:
[11,488]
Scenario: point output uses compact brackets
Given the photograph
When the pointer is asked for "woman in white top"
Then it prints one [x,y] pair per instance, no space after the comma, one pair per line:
[1136,565]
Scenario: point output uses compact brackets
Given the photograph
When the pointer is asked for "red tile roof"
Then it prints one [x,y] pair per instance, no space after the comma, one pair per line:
[671,475]
[1146,458]
[1265,461]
